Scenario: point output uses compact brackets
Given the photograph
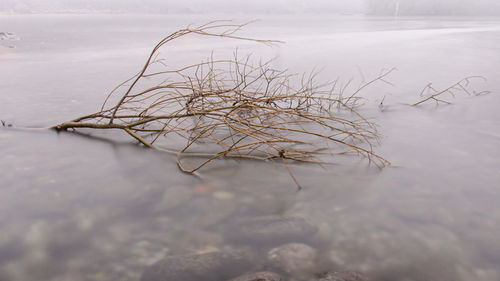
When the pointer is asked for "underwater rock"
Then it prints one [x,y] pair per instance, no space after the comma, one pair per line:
[173,197]
[259,276]
[342,276]
[270,230]
[294,258]
[214,266]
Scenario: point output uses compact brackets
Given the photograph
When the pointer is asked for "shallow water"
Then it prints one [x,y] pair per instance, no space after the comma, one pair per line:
[79,208]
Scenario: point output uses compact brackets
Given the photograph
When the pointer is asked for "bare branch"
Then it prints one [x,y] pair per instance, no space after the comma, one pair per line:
[460,86]
[249,110]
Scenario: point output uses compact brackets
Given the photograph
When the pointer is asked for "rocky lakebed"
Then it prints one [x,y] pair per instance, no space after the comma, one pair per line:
[255,258]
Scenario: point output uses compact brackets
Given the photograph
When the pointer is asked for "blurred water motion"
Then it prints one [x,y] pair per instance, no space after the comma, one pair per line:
[81,208]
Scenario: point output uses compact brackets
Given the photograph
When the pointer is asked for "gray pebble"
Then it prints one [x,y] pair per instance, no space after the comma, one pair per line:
[342,276]
[294,258]
[213,266]
[174,196]
[270,230]
[259,276]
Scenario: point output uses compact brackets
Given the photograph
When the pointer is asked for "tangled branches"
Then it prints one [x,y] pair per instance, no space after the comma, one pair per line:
[235,108]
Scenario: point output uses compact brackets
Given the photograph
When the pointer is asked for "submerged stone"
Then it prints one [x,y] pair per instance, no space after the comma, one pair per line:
[215,266]
[294,258]
[173,197]
[342,276]
[259,276]
[270,230]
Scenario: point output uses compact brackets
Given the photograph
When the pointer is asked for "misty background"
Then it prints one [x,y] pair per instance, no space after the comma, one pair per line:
[371,7]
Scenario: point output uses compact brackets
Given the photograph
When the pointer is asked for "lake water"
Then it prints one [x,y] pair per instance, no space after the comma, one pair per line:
[79,208]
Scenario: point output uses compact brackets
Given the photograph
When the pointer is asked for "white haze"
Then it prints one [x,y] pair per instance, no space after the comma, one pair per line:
[376,7]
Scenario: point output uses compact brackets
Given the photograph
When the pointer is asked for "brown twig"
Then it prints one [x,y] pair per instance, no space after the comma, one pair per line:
[460,86]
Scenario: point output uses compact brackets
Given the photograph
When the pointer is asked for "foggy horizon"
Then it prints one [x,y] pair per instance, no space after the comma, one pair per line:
[367,7]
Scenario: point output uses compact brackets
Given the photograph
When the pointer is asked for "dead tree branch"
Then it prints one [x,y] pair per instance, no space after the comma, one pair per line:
[234,108]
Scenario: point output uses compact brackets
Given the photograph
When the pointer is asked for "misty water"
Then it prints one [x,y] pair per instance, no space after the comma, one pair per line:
[73,207]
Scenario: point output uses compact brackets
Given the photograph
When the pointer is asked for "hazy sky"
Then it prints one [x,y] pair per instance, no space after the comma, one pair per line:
[193,6]
[387,7]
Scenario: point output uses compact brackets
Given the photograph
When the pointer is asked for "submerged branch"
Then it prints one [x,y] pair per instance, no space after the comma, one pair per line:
[249,111]
[460,86]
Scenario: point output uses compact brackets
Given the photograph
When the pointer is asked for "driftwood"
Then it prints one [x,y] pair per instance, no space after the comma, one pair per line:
[234,108]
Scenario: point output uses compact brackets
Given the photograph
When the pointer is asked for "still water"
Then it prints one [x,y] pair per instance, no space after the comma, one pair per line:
[80,208]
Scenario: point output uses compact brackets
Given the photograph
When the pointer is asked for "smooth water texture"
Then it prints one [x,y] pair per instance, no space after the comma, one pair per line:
[79,208]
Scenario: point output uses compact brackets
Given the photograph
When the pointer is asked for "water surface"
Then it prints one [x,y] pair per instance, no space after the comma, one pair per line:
[79,208]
